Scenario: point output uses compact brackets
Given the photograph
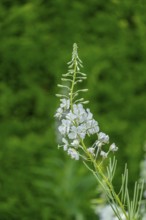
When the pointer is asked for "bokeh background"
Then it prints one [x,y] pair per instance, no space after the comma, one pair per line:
[38,181]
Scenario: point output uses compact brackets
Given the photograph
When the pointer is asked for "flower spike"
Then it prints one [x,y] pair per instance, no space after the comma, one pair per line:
[76,125]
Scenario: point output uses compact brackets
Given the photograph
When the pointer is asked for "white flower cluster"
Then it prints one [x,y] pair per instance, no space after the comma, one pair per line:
[76,124]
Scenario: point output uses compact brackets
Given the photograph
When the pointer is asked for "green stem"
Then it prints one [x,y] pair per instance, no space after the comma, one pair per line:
[116,197]
[109,184]
[72,85]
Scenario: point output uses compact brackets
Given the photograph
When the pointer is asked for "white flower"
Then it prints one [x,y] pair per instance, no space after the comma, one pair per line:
[70,116]
[92,127]
[113,147]
[91,150]
[65,103]
[82,131]
[107,213]
[59,113]
[73,133]
[65,146]
[102,137]
[75,143]
[103,154]
[76,132]
[89,114]
[144,217]
[73,153]
[80,113]
[64,127]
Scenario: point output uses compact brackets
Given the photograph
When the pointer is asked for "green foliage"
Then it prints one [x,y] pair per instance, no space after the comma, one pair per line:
[36,38]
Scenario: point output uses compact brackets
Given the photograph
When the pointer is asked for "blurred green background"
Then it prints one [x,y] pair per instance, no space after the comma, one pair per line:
[38,181]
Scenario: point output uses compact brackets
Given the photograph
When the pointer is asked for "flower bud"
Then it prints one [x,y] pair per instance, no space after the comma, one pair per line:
[113,147]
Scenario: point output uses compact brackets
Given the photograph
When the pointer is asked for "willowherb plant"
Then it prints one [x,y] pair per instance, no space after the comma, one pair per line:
[76,125]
